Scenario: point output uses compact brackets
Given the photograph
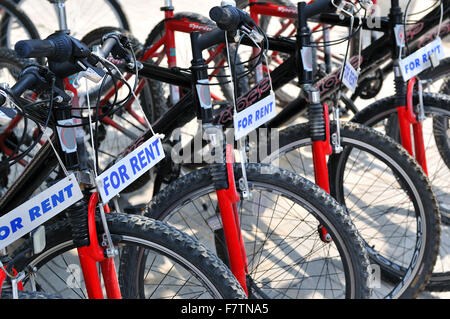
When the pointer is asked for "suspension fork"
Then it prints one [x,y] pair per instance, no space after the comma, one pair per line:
[320,135]
[404,100]
[317,113]
[407,118]
[92,254]
[228,198]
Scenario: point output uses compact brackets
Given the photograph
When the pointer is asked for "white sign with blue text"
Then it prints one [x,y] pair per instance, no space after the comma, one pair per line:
[350,77]
[254,116]
[38,210]
[421,59]
[119,176]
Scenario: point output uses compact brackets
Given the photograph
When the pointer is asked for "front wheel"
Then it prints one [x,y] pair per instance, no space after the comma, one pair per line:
[281,225]
[386,195]
[382,115]
[171,264]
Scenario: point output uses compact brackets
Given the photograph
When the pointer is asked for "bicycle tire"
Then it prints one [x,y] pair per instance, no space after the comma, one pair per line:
[371,149]
[124,24]
[320,206]
[437,105]
[115,7]
[146,234]
[13,11]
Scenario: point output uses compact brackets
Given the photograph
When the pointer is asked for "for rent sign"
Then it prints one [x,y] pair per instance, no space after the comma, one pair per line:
[38,210]
[421,59]
[130,168]
[254,116]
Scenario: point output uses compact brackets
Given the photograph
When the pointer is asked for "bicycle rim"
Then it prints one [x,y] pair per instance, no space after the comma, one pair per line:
[286,257]
[367,182]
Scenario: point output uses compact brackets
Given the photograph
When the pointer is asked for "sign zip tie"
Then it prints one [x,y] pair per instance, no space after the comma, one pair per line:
[90,128]
[265,58]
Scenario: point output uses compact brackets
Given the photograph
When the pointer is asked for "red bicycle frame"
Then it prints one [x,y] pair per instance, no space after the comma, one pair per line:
[407,118]
[93,254]
[168,41]
[227,202]
[320,150]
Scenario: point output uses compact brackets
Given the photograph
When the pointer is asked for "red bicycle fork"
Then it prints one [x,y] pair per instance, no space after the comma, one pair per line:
[320,150]
[93,254]
[227,201]
[407,118]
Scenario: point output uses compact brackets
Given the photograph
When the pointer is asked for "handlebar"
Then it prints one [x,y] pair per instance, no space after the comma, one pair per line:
[58,49]
[29,77]
[319,6]
[230,18]
[63,53]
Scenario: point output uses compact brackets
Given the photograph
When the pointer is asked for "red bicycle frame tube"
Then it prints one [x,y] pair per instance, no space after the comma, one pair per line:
[320,150]
[227,200]
[91,255]
[406,119]
[270,9]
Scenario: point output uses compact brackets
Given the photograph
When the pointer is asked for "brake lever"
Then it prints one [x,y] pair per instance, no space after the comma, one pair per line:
[255,35]
[121,46]
[92,73]
[344,8]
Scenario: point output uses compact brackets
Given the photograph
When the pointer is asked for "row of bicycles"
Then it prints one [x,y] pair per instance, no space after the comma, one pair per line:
[263,177]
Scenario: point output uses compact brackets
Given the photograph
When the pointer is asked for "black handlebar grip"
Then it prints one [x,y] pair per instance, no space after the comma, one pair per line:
[319,6]
[229,18]
[35,48]
[57,48]
[26,81]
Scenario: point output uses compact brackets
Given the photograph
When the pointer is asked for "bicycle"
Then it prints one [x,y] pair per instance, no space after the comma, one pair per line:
[426,114]
[182,112]
[87,218]
[175,117]
[179,114]
[345,248]
[295,155]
